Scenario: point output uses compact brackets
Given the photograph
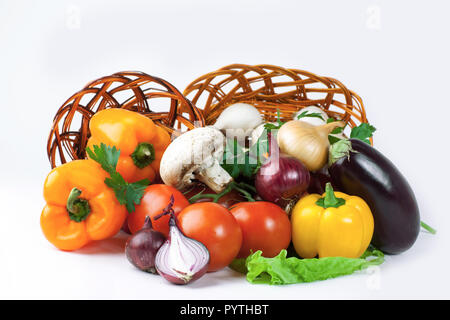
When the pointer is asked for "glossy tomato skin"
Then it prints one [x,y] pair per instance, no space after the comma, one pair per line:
[215,227]
[265,226]
[156,198]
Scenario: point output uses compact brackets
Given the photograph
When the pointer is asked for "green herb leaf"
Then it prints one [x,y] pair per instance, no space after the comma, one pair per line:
[280,123]
[363,132]
[337,130]
[428,228]
[105,155]
[333,139]
[239,162]
[127,194]
[119,185]
[134,193]
[282,270]
[271,126]
[305,114]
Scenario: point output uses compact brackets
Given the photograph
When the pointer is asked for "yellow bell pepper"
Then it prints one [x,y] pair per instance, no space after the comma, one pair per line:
[332,225]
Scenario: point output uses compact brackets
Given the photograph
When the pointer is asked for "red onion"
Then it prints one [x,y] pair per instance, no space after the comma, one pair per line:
[141,248]
[180,259]
[281,178]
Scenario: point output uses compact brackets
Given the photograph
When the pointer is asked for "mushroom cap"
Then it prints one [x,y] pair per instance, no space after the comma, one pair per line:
[239,116]
[193,151]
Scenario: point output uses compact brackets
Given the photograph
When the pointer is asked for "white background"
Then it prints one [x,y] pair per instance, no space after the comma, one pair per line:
[392,53]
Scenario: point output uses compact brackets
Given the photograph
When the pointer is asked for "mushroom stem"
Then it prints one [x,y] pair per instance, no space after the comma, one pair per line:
[214,177]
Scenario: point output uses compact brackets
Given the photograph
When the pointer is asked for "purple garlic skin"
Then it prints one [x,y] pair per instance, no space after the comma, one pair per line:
[142,247]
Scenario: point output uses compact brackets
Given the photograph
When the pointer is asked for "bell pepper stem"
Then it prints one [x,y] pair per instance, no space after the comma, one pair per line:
[330,199]
[143,155]
[77,207]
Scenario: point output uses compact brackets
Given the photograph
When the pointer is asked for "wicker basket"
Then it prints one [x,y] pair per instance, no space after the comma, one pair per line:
[270,88]
[154,97]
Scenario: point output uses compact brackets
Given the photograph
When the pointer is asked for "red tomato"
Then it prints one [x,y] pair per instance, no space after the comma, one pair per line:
[156,198]
[265,226]
[215,227]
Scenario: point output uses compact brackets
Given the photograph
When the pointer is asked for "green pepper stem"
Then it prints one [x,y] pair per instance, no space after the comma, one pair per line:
[427,227]
[330,199]
[143,155]
[77,208]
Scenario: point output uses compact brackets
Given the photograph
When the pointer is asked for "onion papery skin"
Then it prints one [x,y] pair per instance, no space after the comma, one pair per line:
[196,248]
[142,247]
[281,179]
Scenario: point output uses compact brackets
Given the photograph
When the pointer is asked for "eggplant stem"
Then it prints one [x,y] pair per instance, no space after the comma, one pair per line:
[427,227]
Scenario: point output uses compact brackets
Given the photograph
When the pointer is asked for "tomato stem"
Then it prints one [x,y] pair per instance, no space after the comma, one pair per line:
[246,194]
[216,197]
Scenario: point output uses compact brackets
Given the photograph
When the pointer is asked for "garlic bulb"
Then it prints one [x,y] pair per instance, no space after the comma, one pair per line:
[238,120]
[306,142]
[316,121]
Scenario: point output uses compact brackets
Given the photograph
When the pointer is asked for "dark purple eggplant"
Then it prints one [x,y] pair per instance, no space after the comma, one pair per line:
[357,168]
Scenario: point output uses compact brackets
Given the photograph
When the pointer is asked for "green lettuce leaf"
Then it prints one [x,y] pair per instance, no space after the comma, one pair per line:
[282,270]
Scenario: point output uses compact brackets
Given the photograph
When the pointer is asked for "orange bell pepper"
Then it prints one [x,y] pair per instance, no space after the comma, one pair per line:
[140,141]
[79,206]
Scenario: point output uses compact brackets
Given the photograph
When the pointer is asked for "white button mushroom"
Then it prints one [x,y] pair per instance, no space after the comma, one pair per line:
[238,120]
[195,154]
